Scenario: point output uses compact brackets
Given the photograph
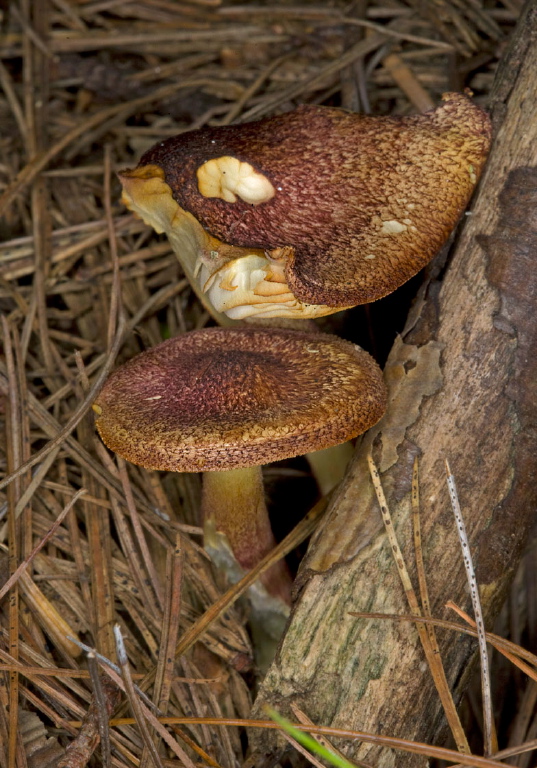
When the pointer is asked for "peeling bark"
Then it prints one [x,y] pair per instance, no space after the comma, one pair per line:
[463,385]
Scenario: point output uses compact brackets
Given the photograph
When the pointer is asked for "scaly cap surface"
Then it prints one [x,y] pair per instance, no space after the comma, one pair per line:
[223,398]
[358,203]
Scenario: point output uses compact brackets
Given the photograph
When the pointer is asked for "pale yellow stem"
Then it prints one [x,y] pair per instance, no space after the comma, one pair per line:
[329,465]
[233,505]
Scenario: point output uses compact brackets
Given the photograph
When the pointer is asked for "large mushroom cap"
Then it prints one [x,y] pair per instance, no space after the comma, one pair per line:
[347,206]
[223,398]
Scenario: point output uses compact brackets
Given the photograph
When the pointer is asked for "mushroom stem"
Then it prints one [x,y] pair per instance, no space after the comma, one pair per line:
[233,504]
[328,465]
[187,237]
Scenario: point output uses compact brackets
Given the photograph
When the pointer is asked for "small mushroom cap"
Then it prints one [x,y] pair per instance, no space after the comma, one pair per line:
[361,202]
[225,398]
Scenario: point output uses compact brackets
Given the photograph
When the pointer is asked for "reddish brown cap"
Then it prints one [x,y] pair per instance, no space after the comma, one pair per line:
[361,203]
[224,398]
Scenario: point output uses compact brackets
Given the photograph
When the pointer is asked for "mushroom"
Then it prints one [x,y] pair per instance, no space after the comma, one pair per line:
[305,213]
[224,401]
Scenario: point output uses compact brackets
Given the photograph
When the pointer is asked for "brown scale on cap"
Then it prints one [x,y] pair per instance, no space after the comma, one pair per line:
[360,203]
[220,399]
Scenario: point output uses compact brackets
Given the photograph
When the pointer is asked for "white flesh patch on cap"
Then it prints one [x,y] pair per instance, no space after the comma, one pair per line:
[228,178]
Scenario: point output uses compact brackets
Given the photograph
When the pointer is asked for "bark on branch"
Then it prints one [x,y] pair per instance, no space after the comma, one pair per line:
[463,382]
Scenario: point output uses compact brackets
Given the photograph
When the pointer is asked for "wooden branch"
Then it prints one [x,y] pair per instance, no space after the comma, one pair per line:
[463,384]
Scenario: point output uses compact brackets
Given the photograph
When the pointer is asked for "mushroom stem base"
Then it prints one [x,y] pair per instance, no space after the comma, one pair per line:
[233,504]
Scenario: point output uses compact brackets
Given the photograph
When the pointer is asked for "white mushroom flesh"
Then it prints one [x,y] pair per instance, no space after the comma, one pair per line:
[228,178]
[251,285]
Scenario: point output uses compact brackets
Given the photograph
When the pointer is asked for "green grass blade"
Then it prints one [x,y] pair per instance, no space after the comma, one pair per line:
[307,741]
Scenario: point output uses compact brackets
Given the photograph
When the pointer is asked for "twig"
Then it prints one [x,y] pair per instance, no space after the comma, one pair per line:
[31,33]
[115,294]
[37,478]
[77,417]
[303,719]
[491,742]
[102,714]
[13,452]
[236,109]
[304,529]
[331,16]
[134,701]
[108,663]
[40,162]
[408,82]
[303,751]
[170,627]
[362,48]
[433,659]
[138,532]
[414,747]
[148,716]
[79,751]
[11,96]
[24,565]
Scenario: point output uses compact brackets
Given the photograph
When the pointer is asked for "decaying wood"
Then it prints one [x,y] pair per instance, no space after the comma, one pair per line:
[463,386]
